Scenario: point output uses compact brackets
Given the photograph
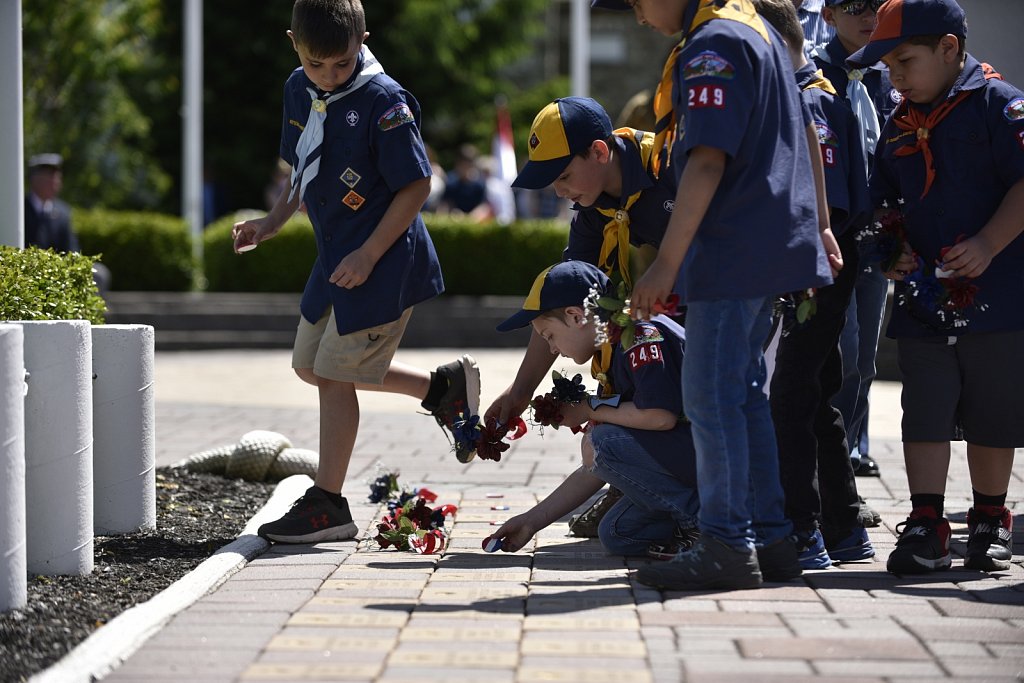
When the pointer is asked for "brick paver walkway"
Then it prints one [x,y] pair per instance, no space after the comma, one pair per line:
[560,610]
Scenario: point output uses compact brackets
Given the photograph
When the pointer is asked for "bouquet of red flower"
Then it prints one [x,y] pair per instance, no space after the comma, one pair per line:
[410,523]
[487,438]
[547,409]
[937,300]
[885,238]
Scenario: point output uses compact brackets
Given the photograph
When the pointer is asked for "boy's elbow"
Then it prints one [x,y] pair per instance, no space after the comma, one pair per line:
[663,421]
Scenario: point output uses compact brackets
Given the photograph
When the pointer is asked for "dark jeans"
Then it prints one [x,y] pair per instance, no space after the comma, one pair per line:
[814,461]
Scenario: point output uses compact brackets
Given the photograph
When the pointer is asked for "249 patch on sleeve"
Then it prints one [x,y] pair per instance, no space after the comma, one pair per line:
[643,354]
[707,96]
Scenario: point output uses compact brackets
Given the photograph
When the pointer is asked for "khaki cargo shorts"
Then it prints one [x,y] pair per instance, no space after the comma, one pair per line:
[361,357]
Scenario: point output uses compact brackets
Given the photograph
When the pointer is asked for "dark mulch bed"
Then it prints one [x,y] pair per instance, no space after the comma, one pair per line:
[196,514]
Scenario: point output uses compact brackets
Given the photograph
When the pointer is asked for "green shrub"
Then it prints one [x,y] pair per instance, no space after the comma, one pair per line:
[476,258]
[144,251]
[39,284]
[280,265]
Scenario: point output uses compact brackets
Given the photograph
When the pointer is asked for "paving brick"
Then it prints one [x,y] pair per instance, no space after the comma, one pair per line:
[831,648]
[348,671]
[405,674]
[693,665]
[878,667]
[466,658]
[710,619]
[543,674]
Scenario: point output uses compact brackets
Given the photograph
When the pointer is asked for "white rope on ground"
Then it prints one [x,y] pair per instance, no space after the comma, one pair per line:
[260,455]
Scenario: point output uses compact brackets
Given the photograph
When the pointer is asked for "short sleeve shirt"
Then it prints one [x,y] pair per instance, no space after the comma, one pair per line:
[649,374]
[978,155]
[648,216]
[735,92]
[371,149]
[846,182]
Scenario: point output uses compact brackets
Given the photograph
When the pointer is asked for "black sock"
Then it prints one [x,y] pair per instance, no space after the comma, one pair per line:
[988,504]
[926,502]
[438,385]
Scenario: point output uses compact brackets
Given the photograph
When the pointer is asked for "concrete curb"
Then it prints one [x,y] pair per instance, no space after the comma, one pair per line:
[104,650]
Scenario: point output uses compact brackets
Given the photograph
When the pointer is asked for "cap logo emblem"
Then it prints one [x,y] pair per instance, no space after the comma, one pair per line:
[534,141]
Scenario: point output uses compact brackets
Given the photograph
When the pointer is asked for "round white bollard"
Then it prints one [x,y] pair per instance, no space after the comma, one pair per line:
[123,418]
[13,578]
[58,447]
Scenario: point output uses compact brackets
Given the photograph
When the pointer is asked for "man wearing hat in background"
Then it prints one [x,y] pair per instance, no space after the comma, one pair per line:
[47,218]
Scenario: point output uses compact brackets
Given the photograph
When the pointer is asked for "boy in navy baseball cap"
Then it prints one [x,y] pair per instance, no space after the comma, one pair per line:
[636,439]
[953,153]
[561,130]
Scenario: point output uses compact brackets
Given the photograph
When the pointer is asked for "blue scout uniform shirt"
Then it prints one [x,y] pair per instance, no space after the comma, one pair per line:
[832,61]
[372,148]
[759,237]
[648,216]
[649,374]
[846,181]
[978,154]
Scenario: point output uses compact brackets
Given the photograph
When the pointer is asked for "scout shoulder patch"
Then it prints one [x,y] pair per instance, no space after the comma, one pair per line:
[396,116]
[829,142]
[709,64]
[646,348]
[353,200]
[1014,111]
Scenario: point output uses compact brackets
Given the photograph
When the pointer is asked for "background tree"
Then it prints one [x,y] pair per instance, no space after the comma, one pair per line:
[89,69]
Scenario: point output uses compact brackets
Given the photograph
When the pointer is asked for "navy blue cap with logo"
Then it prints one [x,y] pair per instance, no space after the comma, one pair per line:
[899,20]
[561,130]
[564,284]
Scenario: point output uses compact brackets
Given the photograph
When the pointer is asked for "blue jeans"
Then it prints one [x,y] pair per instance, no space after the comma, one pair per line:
[723,396]
[858,345]
[654,500]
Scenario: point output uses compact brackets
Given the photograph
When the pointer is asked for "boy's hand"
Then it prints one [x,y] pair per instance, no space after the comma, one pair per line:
[575,415]
[354,269]
[968,258]
[655,285]
[515,533]
[832,250]
[507,405]
[250,233]
[905,264]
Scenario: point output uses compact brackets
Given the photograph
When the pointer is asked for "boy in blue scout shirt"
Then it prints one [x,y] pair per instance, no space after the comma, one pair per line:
[872,97]
[351,136]
[817,478]
[748,224]
[617,202]
[636,439]
[953,151]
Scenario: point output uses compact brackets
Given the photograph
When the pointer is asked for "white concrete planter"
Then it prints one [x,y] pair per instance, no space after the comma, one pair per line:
[58,447]
[124,448]
[13,579]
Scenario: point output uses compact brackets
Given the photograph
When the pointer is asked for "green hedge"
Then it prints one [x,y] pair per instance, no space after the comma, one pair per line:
[144,251]
[39,284]
[476,259]
[152,252]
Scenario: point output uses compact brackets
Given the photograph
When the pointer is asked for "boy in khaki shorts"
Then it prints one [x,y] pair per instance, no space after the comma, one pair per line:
[351,135]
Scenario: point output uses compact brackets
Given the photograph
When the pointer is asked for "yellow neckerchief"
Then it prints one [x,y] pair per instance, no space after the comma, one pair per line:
[616,240]
[616,231]
[664,116]
[821,82]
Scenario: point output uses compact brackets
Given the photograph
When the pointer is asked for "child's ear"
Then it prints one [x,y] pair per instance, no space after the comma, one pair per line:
[950,47]
[829,15]
[575,315]
[291,37]
[600,150]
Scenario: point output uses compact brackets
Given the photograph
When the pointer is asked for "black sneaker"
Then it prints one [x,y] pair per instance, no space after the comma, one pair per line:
[923,546]
[584,525]
[460,401]
[710,564]
[682,540]
[866,467]
[312,518]
[990,541]
[779,561]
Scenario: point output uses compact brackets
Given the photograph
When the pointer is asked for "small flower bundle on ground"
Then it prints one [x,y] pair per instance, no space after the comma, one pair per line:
[410,522]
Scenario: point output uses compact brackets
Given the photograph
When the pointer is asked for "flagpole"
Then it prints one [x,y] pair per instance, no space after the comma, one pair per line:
[579,46]
[12,142]
[192,132]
